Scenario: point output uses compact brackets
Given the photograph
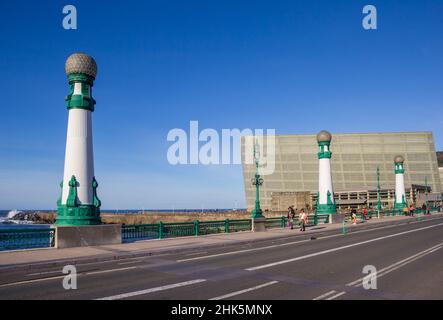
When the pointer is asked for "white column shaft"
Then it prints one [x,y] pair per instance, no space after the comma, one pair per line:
[325,181]
[399,187]
[79,160]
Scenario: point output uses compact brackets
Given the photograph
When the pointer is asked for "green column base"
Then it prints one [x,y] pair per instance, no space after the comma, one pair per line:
[257,213]
[82,215]
[326,209]
[400,205]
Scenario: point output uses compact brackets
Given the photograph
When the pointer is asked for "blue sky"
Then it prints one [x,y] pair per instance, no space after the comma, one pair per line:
[296,66]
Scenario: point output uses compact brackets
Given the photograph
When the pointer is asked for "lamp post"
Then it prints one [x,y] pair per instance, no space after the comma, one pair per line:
[257,181]
[426,192]
[379,208]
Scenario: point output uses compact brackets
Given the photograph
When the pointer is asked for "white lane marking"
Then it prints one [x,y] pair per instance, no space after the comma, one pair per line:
[29,281]
[109,270]
[398,264]
[324,295]
[336,296]
[196,253]
[151,290]
[241,251]
[129,262]
[432,251]
[40,273]
[89,263]
[273,264]
[236,293]
[388,269]
[296,242]
[59,277]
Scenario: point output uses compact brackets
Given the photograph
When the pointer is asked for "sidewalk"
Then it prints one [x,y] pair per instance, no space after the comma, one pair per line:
[38,258]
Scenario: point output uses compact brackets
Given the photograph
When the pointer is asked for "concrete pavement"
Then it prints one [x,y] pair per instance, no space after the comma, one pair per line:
[408,256]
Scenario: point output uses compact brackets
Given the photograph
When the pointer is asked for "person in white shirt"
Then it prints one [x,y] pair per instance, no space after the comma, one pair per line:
[303,217]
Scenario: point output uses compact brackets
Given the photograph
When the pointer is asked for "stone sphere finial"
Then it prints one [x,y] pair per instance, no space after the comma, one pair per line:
[81,63]
[324,136]
[399,159]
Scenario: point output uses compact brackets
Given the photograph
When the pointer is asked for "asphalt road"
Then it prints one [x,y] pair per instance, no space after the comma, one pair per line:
[408,259]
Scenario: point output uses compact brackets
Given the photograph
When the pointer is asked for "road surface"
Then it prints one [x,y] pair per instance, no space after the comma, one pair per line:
[408,259]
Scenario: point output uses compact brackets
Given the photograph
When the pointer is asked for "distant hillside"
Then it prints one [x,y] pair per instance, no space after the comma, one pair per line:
[440,158]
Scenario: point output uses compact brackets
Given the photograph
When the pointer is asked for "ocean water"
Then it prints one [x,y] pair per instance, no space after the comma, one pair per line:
[6,224]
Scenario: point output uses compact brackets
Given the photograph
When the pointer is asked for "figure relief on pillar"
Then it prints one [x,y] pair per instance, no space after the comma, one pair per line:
[72,197]
[97,201]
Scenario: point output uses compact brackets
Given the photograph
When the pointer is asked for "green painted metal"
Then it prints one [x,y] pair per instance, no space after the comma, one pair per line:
[257,181]
[83,100]
[276,222]
[343,227]
[280,222]
[59,201]
[426,184]
[72,195]
[400,205]
[163,230]
[240,225]
[160,230]
[399,168]
[96,200]
[379,207]
[196,228]
[73,214]
[226,225]
[179,229]
[140,231]
[81,215]
[322,154]
[211,227]
[315,219]
[26,238]
[326,208]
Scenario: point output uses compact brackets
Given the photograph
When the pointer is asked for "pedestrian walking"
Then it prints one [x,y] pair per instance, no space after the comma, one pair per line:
[303,217]
[354,216]
[291,215]
[411,210]
[364,213]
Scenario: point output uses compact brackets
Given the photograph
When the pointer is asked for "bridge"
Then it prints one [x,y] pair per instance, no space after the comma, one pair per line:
[324,263]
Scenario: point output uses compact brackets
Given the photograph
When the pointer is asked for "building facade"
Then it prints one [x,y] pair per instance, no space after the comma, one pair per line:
[354,163]
[350,199]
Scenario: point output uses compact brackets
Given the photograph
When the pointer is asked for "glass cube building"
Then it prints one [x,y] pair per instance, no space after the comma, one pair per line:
[355,158]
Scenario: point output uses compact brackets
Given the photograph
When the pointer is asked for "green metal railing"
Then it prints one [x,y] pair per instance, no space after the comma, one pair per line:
[163,230]
[26,238]
[240,225]
[211,227]
[278,222]
[321,218]
[391,213]
[140,231]
[178,229]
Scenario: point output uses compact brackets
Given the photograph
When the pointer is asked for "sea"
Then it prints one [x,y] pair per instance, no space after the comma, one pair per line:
[7,223]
